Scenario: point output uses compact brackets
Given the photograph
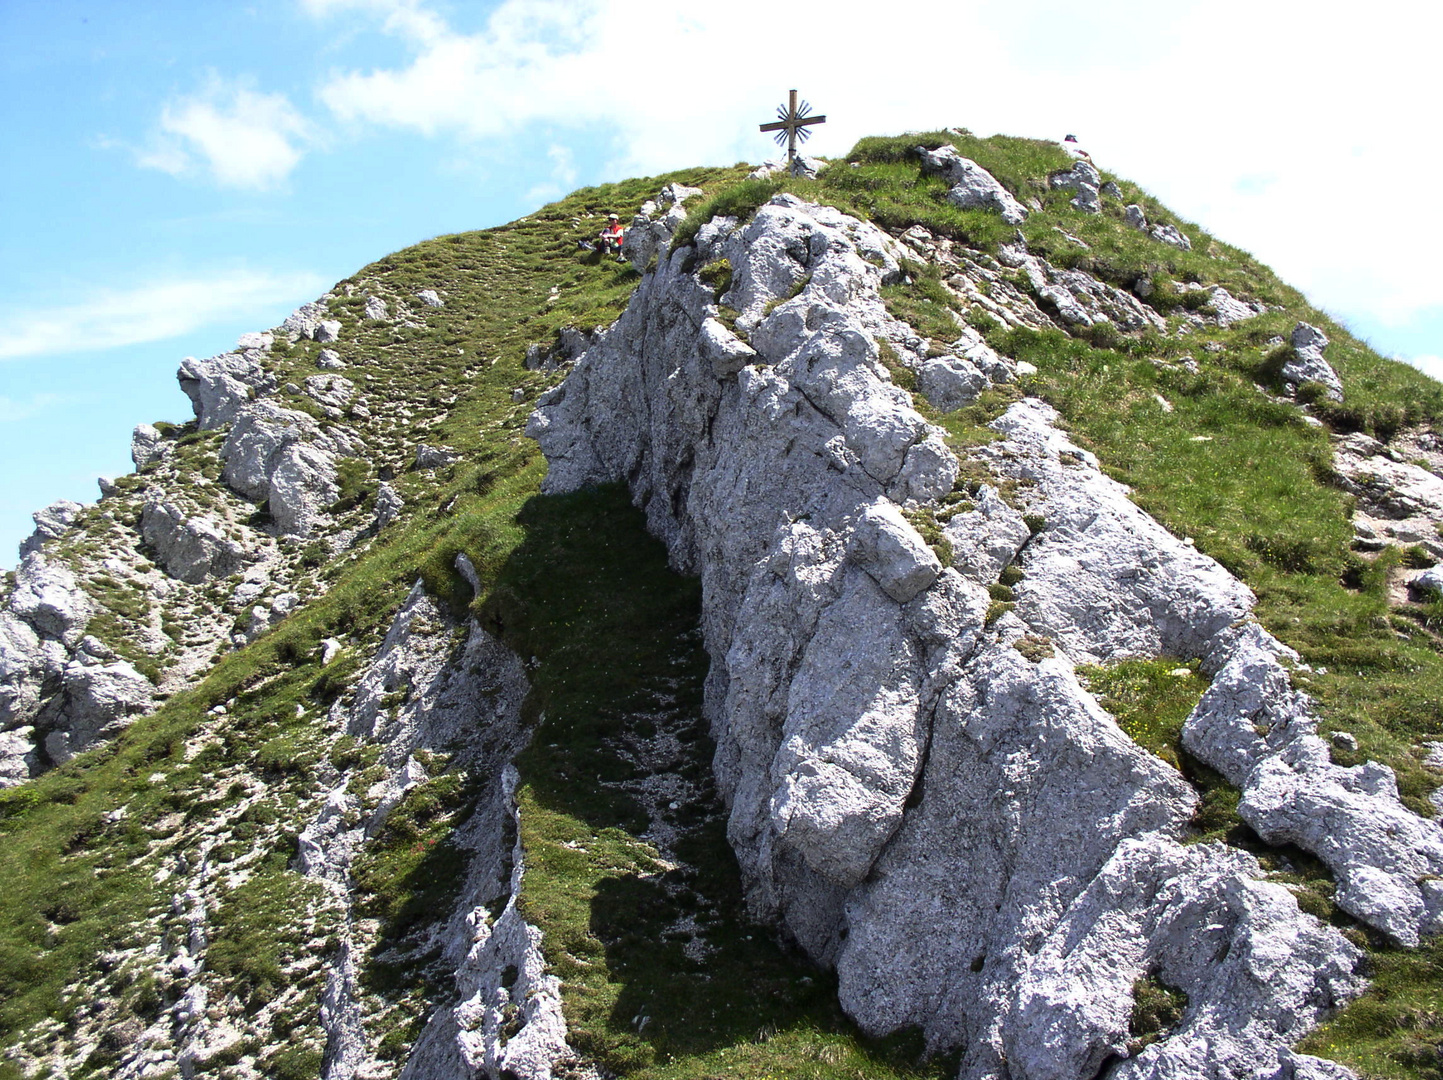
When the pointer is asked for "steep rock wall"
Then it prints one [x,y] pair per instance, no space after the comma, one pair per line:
[918,795]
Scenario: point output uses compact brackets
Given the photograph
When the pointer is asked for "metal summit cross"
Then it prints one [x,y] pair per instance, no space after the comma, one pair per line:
[793,121]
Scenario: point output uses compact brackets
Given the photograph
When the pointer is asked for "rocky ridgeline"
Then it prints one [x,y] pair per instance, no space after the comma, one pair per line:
[116,605]
[922,793]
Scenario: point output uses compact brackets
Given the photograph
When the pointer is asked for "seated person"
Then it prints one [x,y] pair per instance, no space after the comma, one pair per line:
[609,242]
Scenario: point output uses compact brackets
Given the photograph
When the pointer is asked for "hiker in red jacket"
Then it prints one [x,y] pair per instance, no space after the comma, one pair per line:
[609,242]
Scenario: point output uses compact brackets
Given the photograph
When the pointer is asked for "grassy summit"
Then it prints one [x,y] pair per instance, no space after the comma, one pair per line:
[574,585]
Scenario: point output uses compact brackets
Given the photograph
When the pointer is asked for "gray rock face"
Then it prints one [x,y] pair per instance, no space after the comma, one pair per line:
[328,330]
[1079,298]
[190,547]
[1255,729]
[330,360]
[1084,182]
[430,298]
[1229,309]
[1135,217]
[651,229]
[972,185]
[147,445]
[305,319]
[1102,577]
[281,456]
[51,523]
[962,832]
[98,698]
[221,386]
[48,597]
[375,308]
[1307,363]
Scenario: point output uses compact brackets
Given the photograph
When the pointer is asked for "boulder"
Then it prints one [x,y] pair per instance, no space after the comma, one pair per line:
[375,308]
[893,552]
[334,391]
[305,319]
[430,298]
[97,700]
[221,386]
[191,547]
[1083,181]
[330,360]
[435,457]
[1171,235]
[972,185]
[147,445]
[280,456]
[1135,217]
[328,330]
[1307,363]
[51,523]
[258,341]
[389,505]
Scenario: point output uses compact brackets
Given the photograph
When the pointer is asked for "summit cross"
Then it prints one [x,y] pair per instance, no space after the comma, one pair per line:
[793,121]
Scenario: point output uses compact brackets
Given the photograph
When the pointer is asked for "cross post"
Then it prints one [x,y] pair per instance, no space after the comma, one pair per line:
[794,123]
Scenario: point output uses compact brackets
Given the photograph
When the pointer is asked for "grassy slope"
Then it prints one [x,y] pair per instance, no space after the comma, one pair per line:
[579,588]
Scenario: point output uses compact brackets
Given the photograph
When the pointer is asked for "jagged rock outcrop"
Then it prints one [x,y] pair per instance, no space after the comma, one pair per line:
[51,523]
[1307,363]
[221,386]
[192,547]
[877,740]
[972,185]
[282,457]
[1084,181]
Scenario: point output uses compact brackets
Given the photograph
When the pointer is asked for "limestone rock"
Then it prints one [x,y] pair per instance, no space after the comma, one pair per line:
[51,523]
[430,298]
[727,353]
[435,457]
[1102,577]
[389,505]
[950,381]
[221,386]
[97,700]
[1084,182]
[1135,217]
[375,308]
[49,598]
[190,547]
[1171,235]
[147,444]
[972,185]
[986,539]
[1307,363]
[1229,309]
[305,319]
[335,391]
[280,456]
[808,167]
[330,360]
[261,342]
[328,330]
[651,230]
[892,551]
[1255,729]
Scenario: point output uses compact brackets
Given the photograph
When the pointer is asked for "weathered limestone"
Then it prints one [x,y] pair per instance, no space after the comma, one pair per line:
[51,523]
[1084,182]
[192,547]
[911,798]
[1307,363]
[221,386]
[282,457]
[972,185]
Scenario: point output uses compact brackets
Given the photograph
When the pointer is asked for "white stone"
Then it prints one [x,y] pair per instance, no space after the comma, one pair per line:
[430,298]
[972,185]
[1307,363]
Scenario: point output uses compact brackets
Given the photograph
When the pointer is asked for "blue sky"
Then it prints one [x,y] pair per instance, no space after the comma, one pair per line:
[177,174]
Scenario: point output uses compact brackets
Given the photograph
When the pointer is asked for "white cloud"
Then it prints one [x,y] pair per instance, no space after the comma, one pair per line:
[12,411]
[1296,137]
[241,138]
[154,312]
[563,175]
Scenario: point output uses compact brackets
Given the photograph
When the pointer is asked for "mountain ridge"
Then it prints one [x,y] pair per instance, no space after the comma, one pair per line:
[460,497]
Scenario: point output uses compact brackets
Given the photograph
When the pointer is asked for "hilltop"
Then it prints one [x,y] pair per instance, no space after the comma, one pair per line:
[880,628]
